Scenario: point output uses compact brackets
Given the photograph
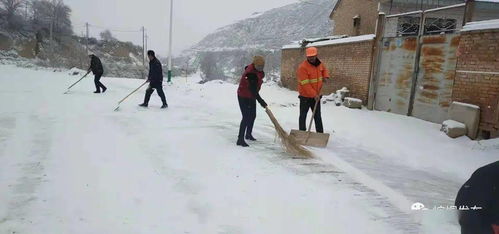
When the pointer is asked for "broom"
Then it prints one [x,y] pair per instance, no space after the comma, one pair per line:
[288,142]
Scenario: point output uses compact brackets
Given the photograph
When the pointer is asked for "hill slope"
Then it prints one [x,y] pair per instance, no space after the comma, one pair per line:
[229,48]
[273,28]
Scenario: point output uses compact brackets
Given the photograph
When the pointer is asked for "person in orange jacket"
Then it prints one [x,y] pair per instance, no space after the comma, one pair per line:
[311,74]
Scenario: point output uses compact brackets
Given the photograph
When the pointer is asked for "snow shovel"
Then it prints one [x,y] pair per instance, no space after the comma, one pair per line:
[75,83]
[122,100]
[310,138]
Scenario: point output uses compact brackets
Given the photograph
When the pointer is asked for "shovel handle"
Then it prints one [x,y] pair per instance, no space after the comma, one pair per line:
[77,82]
[313,116]
[122,100]
[311,120]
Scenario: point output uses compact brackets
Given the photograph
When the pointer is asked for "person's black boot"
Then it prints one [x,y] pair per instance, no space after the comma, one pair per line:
[98,91]
[241,142]
[250,137]
[143,105]
[164,106]
[104,89]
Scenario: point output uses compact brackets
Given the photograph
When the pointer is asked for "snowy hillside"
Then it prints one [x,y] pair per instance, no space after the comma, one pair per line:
[230,48]
[273,29]
[70,164]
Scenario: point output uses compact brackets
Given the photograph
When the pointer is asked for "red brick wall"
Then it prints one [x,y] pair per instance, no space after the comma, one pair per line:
[349,65]
[475,81]
[343,15]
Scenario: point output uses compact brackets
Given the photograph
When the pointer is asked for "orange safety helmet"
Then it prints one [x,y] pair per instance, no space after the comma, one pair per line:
[312,51]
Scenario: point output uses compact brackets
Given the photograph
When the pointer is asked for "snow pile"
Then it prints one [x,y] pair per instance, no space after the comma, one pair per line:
[76,71]
[481,25]
[337,97]
[353,103]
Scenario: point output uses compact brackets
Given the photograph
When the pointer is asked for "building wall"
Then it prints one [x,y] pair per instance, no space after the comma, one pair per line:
[477,76]
[345,12]
[349,66]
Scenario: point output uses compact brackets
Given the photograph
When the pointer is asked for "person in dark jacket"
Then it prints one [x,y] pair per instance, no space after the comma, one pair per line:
[247,95]
[478,201]
[155,79]
[97,70]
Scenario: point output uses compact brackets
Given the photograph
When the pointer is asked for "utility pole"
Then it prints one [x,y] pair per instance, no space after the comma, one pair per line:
[52,22]
[51,28]
[26,13]
[143,46]
[147,37]
[468,11]
[86,37]
[170,46]
[186,70]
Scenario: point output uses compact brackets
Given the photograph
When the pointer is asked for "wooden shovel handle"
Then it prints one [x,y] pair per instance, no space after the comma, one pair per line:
[313,115]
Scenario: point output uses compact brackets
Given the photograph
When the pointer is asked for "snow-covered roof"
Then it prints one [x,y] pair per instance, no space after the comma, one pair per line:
[332,41]
[466,104]
[481,25]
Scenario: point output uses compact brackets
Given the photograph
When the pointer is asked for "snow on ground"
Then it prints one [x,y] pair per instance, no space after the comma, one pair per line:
[69,164]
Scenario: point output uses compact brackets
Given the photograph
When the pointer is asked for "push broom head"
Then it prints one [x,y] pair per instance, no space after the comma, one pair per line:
[288,142]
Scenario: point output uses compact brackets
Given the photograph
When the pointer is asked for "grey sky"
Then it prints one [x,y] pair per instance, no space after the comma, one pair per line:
[193,19]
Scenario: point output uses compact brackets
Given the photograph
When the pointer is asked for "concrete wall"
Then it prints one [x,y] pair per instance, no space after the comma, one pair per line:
[347,9]
[349,65]
[477,76]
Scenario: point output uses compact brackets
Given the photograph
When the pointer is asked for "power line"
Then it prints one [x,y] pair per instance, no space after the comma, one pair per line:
[114,30]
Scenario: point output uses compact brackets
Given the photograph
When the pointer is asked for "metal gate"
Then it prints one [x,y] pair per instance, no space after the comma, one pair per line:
[435,78]
[417,63]
[396,70]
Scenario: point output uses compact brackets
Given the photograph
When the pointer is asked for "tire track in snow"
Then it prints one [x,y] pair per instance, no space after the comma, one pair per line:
[27,167]
[7,125]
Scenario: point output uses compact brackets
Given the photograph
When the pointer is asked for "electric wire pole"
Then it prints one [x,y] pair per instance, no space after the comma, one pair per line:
[86,37]
[170,46]
[143,46]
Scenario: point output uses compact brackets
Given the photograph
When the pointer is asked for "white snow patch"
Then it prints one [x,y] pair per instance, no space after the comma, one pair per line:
[76,71]
[367,37]
[351,99]
[467,104]
[453,124]
[481,25]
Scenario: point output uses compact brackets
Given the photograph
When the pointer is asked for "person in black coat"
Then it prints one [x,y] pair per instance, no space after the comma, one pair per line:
[478,201]
[97,70]
[155,79]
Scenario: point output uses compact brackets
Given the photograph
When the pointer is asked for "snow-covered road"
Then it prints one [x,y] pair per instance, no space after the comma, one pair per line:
[70,164]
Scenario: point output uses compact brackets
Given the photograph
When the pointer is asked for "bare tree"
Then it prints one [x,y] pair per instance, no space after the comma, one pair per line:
[210,70]
[107,36]
[11,7]
[53,17]
[61,18]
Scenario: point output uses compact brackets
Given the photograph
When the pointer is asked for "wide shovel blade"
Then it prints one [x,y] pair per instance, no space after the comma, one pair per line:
[313,139]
